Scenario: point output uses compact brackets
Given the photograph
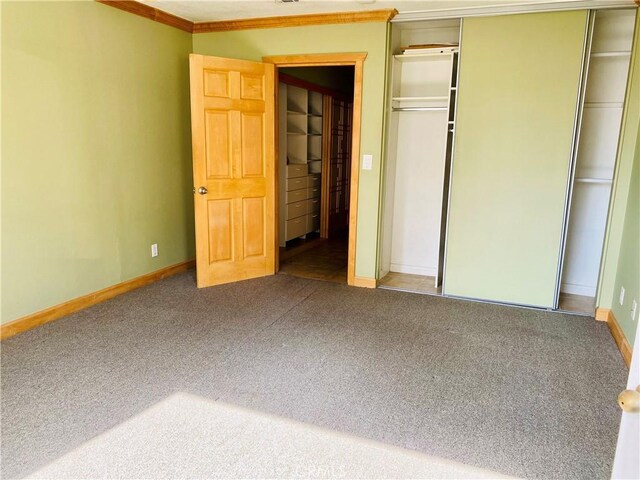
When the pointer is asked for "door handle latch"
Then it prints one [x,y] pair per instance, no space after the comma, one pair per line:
[629,400]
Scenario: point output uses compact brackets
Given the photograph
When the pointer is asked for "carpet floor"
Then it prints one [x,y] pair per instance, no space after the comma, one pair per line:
[520,392]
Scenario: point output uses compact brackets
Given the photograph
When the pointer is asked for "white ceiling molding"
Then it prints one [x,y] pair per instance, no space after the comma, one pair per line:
[505,9]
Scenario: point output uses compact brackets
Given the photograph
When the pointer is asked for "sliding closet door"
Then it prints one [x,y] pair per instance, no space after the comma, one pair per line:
[518,95]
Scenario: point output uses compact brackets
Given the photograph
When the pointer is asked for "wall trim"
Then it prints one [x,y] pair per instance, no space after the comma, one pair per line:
[606,315]
[295,20]
[602,314]
[63,309]
[151,13]
[160,16]
[364,282]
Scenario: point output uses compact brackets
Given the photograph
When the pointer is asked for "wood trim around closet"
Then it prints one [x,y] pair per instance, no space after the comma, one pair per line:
[295,21]
[67,308]
[151,13]
[331,60]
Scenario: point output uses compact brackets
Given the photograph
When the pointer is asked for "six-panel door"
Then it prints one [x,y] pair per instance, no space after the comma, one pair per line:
[232,117]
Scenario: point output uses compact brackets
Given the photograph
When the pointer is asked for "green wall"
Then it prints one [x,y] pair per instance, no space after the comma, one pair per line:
[96,150]
[628,272]
[359,37]
[620,252]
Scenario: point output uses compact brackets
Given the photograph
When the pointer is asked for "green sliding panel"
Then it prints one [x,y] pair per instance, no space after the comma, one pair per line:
[518,92]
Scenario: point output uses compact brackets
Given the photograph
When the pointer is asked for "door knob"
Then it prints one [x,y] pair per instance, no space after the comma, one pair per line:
[629,400]
[202,190]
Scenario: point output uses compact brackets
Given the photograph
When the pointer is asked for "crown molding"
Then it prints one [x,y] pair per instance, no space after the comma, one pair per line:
[296,21]
[151,13]
[146,11]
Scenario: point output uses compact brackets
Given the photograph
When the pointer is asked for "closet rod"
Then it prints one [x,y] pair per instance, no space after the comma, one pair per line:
[418,109]
[593,180]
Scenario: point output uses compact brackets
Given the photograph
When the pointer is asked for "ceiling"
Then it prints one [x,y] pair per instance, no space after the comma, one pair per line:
[216,10]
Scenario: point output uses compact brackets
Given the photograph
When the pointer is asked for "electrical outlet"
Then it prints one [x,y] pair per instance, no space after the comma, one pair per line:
[154,250]
[621,299]
[634,308]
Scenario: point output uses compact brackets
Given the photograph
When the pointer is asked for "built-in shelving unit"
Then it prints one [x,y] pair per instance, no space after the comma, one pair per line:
[300,117]
[606,82]
[423,92]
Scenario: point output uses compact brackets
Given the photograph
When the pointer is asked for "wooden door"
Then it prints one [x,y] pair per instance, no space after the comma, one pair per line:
[232,121]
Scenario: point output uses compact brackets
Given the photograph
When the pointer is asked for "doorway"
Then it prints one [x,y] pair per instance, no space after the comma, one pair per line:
[315,123]
[341,224]
[236,171]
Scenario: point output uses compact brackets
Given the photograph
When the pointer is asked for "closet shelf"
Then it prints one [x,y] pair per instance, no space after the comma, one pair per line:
[624,53]
[593,180]
[296,133]
[408,99]
[603,104]
[421,57]
[420,103]
[419,109]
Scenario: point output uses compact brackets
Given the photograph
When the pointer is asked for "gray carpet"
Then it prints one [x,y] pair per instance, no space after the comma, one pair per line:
[520,392]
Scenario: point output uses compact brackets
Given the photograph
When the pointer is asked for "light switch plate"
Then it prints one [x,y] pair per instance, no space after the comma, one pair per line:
[621,299]
[367,162]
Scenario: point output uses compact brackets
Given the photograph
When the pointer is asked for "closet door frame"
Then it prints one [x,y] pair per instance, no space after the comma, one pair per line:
[553,273]
[586,55]
[355,60]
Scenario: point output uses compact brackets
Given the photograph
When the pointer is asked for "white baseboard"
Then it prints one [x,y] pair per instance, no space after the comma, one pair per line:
[574,289]
[424,271]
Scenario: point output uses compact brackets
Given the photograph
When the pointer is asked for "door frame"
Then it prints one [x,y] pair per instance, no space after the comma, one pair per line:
[355,60]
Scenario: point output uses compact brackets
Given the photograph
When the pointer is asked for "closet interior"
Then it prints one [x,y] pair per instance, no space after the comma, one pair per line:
[422,99]
[314,153]
[604,95]
[424,60]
